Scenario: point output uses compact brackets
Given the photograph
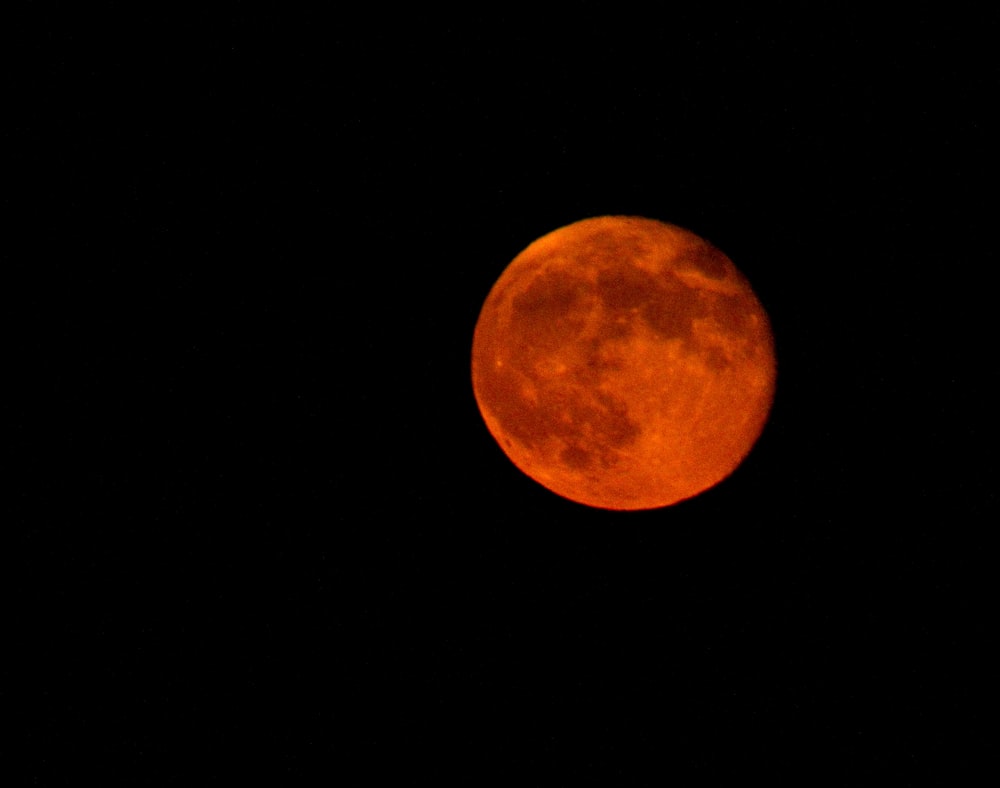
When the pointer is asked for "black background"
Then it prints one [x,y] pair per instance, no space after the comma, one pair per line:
[256,520]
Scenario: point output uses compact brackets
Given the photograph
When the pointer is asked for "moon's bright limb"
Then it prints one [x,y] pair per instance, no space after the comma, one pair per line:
[623,363]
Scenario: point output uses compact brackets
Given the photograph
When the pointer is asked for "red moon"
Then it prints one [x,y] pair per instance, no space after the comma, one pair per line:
[623,363]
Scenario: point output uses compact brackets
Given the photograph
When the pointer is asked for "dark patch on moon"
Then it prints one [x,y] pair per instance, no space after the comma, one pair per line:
[550,296]
[706,259]
[715,359]
[625,287]
[615,426]
[551,309]
[676,305]
[576,458]
[591,424]
[732,313]
[593,365]
[503,396]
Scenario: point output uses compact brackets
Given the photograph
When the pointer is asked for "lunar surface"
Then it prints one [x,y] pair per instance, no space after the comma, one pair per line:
[623,363]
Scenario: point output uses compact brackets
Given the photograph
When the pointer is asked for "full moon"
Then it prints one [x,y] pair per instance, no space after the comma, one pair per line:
[623,363]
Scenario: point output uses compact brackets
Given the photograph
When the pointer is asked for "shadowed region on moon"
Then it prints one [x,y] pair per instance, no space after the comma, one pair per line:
[552,305]
[706,259]
[623,363]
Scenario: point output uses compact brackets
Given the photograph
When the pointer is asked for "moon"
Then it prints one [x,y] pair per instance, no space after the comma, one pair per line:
[623,363]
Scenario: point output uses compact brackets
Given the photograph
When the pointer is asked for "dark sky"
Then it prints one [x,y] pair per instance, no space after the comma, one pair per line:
[256,517]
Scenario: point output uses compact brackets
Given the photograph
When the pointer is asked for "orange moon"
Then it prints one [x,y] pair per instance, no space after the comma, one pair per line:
[623,363]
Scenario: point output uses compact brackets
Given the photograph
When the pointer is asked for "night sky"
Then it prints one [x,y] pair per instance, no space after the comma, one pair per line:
[256,520]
